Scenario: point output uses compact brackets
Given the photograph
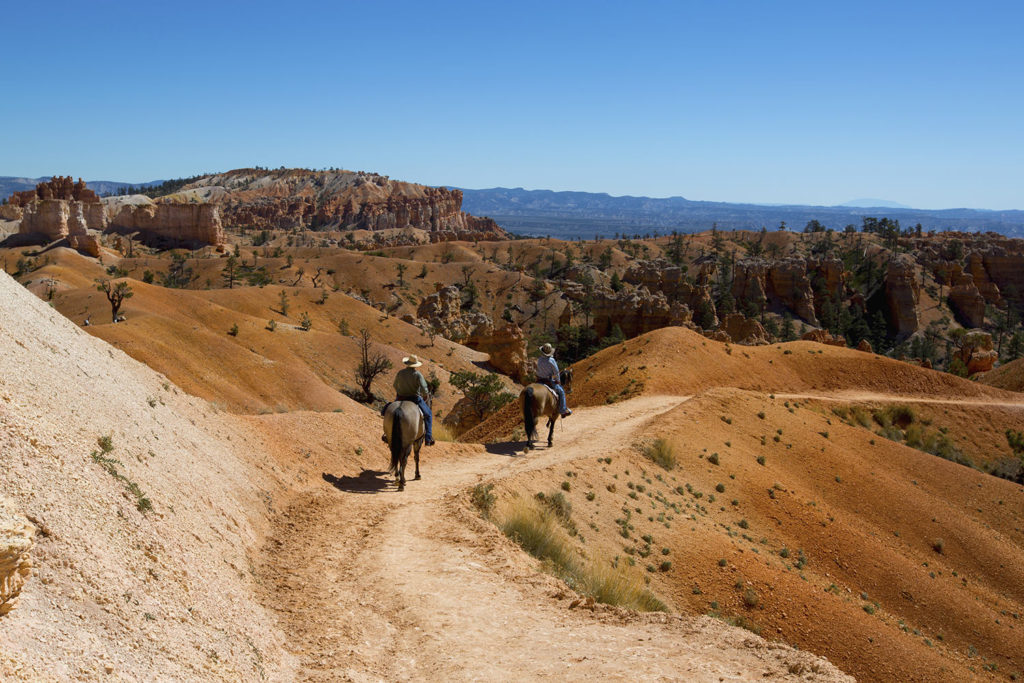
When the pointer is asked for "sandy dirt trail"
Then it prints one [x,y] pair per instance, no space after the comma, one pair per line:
[372,584]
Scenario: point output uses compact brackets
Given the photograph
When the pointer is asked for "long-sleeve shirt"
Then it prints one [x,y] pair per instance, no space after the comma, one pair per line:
[409,382]
[547,368]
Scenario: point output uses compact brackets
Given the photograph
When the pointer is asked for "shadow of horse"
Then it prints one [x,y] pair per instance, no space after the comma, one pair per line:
[368,481]
[512,449]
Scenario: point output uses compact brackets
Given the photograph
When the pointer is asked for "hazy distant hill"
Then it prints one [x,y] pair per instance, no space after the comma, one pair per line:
[872,203]
[570,214]
[9,184]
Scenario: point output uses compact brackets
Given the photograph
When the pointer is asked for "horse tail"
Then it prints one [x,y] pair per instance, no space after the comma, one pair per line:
[396,439]
[529,419]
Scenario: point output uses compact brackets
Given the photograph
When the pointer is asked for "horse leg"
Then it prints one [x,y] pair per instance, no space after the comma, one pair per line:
[551,431]
[401,471]
[416,454]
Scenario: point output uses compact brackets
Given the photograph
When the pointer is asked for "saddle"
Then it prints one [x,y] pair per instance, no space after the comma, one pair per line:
[550,387]
[384,410]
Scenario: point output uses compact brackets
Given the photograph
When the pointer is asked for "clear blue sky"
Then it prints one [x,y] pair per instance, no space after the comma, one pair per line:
[800,102]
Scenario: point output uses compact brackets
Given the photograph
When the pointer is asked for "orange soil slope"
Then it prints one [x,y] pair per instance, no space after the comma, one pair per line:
[680,362]
[1009,376]
[184,334]
[872,593]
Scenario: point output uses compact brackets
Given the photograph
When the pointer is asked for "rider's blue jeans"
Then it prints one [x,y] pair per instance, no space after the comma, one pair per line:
[562,407]
[428,417]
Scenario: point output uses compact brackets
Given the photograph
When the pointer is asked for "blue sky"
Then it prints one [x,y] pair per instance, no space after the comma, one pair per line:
[775,102]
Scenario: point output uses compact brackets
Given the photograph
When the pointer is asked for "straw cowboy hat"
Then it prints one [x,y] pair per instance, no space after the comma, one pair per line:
[411,362]
[547,350]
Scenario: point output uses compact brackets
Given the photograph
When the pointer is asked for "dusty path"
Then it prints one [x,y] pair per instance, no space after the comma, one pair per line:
[370,584]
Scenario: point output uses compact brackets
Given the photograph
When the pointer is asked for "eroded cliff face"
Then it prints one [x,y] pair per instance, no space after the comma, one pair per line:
[58,208]
[178,222]
[63,209]
[902,295]
[298,198]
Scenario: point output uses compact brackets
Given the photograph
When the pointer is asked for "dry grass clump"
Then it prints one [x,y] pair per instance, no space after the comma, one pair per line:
[443,432]
[662,452]
[535,526]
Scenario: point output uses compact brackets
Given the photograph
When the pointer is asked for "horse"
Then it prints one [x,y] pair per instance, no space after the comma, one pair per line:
[536,400]
[404,431]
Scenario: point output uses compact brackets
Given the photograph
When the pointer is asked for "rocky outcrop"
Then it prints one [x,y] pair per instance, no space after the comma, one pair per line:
[865,346]
[661,276]
[17,536]
[744,330]
[190,223]
[977,352]
[443,312]
[824,337]
[10,212]
[58,187]
[966,301]
[781,284]
[635,312]
[340,200]
[902,295]
[58,208]
[506,347]
[87,243]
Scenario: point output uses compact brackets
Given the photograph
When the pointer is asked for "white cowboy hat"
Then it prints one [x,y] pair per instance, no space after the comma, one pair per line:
[412,362]
[547,350]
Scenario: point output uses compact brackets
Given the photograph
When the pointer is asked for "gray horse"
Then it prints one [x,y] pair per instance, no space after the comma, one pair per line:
[403,429]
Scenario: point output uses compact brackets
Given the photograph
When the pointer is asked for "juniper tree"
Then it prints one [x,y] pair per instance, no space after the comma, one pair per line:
[116,294]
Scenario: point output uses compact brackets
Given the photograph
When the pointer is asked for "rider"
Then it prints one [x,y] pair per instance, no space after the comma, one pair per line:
[410,386]
[547,373]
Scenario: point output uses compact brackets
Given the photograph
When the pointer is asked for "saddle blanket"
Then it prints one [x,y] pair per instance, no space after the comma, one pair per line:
[554,394]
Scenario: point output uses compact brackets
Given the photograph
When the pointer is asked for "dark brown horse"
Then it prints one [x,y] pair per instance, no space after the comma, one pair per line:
[536,400]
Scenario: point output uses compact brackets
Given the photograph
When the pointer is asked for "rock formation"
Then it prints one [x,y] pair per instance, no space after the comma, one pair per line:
[442,311]
[286,199]
[966,301]
[193,223]
[662,277]
[506,346]
[635,312]
[58,208]
[902,296]
[781,284]
[977,352]
[824,337]
[865,346]
[744,330]
[16,541]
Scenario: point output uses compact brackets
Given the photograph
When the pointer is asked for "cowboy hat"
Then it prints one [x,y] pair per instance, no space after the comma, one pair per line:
[547,350]
[412,362]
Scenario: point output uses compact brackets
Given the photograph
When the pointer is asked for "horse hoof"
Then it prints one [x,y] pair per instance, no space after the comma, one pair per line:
[550,444]
[417,478]
[401,487]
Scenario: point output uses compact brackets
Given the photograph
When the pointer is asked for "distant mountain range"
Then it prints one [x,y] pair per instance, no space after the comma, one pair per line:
[585,214]
[11,184]
[872,203]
